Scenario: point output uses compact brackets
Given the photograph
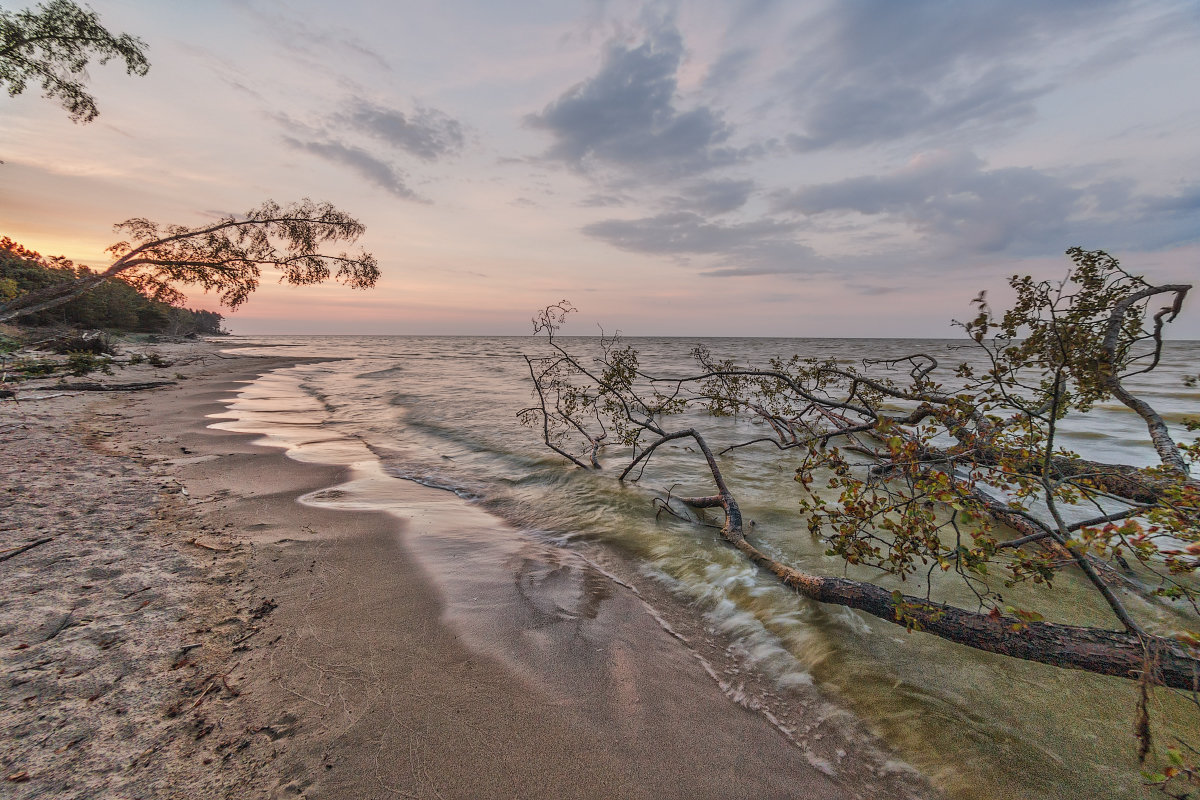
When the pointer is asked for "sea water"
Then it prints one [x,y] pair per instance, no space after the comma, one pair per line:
[443,411]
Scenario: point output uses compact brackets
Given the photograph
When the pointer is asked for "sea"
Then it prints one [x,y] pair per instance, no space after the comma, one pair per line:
[442,411]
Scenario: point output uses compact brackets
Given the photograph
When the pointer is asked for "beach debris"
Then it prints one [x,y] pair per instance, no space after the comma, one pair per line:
[92,386]
[16,551]
[211,683]
[197,543]
[64,389]
[244,638]
[264,608]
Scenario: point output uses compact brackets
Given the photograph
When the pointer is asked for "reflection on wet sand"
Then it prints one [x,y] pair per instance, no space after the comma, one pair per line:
[574,633]
[440,411]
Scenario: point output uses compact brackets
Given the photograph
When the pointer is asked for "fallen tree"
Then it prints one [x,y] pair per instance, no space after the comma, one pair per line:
[226,256]
[915,477]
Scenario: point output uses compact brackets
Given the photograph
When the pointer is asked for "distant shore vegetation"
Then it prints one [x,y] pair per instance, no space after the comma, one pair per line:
[113,305]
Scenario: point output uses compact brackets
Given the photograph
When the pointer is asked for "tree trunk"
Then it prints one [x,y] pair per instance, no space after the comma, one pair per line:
[1104,652]
[53,295]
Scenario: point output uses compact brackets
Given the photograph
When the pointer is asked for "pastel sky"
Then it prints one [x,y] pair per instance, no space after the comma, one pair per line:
[802,168]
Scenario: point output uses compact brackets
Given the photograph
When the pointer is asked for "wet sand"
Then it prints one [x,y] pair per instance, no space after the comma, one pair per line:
[347,654]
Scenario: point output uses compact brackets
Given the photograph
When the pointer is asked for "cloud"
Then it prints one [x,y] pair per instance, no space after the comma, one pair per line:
[955,203]
[881,71]
[1187,202]
[713,197]
[961,208]
[300,37]
[626,115]
[874,289]
[728,69]
[426,133]
[601,200]
[851,116]
[761,246]
[371,168]
[1157,222]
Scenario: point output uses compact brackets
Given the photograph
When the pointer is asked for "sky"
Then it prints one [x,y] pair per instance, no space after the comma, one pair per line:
[756,168]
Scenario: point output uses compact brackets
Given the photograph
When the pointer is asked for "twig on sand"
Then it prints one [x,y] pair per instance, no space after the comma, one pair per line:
[247,636]
[92,386]
[16,551]
[210,682]
[207,686]
[196,543]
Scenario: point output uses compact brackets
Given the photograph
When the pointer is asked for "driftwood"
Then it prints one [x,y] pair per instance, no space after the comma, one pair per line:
[92,386]
[85,386]
[16,551]
[1105,652]
[1126,654]
[194,542]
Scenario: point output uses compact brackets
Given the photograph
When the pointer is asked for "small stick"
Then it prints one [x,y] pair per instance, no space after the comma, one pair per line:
[193,541]
[18,550]
[229,688]
[201,697]
[247,636]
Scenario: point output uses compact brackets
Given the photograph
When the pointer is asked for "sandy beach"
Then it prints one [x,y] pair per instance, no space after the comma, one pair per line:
[188,628]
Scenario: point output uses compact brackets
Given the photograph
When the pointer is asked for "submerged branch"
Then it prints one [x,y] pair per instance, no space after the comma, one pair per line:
[1096,650]
[1109,369]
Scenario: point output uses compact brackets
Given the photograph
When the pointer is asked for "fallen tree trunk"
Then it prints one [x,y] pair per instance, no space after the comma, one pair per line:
[91,386]
[1104,652]
[53,295]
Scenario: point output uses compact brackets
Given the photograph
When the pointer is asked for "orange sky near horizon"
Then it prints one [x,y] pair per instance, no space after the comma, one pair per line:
[806,169]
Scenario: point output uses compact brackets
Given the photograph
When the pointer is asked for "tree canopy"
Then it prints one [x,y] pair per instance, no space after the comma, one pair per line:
[226,256]
[953,482]
[53,44]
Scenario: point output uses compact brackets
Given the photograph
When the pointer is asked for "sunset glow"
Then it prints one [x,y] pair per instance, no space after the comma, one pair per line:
[802,169]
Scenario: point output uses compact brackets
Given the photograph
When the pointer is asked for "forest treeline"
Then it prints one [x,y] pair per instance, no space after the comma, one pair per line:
[113,305]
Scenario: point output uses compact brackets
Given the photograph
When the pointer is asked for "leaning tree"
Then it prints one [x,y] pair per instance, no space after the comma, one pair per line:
[226,256]
[913,473]
[53,44]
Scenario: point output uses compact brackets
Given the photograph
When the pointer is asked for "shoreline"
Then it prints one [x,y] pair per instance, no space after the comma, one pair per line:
[332,664]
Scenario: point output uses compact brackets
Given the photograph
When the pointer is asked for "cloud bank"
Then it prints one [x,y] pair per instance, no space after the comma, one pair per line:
[627,117]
